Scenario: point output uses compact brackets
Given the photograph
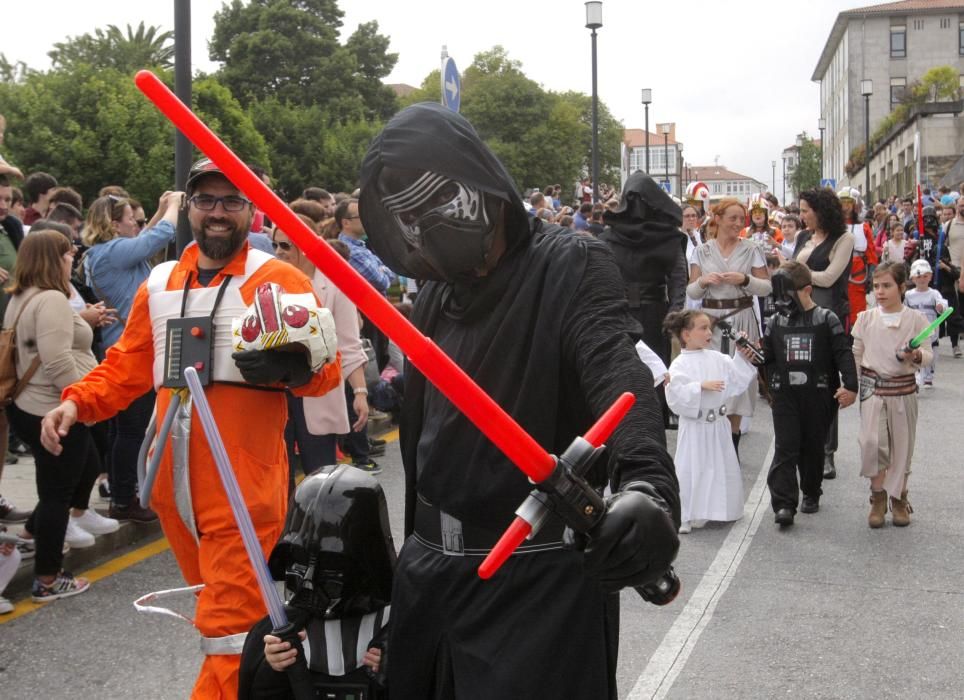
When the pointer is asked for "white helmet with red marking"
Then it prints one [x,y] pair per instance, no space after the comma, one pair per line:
[698,193]
[277,319]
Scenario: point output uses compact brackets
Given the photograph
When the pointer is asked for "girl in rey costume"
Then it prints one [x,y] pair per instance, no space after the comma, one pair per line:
[888,393]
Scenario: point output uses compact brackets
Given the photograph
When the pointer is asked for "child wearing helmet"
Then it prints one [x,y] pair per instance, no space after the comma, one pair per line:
[336,557]
[928,301]
[760,228]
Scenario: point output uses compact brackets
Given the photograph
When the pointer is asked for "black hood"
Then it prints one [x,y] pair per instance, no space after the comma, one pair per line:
[644,202]
[428,136]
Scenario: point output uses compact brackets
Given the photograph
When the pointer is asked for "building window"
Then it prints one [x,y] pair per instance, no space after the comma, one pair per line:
[960,39]
[898,41]
[897,88]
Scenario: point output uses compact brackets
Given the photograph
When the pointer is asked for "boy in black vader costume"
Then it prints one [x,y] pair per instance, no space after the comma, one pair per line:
[336,558]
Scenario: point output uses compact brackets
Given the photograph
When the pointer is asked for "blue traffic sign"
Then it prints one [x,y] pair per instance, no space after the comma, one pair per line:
[829,182]
[666,185]
[451,86]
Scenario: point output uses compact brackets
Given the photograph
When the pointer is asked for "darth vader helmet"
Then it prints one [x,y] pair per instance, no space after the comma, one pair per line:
[336,554]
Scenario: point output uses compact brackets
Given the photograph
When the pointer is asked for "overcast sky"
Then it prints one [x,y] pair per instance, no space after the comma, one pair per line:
[734,76]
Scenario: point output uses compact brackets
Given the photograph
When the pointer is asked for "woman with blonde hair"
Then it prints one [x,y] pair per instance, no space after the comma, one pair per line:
[115,265]
[726,273]
[53,351]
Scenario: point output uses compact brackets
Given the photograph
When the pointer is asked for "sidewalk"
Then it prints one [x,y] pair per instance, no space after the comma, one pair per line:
[18,486]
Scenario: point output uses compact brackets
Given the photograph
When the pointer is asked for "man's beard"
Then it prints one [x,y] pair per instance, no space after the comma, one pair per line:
[220,247]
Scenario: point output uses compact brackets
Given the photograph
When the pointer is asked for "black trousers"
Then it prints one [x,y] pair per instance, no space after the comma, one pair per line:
[64,481]
[314,451]
[801,421]
[538,629]
[126,434]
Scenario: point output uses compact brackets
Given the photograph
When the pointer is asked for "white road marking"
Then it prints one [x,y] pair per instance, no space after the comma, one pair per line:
[673,652]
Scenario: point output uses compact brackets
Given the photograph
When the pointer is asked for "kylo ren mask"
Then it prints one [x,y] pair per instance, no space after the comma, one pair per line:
[449,224]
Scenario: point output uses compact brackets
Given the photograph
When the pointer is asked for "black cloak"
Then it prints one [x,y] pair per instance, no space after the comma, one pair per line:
[547,334]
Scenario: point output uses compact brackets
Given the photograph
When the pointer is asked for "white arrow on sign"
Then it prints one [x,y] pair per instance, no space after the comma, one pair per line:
[453,88]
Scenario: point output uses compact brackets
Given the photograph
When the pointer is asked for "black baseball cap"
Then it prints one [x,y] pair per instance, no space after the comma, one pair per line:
[200,169]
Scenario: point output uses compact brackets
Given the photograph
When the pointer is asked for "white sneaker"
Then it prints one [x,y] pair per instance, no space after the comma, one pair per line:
[5,606]
[684,527]
[95,523]
[76,537]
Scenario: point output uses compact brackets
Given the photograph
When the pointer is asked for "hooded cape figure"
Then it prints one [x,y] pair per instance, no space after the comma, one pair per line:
[540,322]
[644,233]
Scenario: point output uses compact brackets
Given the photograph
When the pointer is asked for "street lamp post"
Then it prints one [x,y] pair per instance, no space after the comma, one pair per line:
[647,98]
[182,87]
[594,22]
[821,125]
[867,89]
[784,200]
[773,164]
[664,128]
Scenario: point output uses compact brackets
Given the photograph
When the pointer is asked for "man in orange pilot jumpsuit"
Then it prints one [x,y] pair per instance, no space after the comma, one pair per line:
[249,406]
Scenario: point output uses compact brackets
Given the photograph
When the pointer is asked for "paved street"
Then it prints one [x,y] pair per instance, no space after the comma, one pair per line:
[827,609]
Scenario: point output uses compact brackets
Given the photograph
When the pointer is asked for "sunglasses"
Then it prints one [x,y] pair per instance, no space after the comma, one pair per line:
[280,244]
[207,202]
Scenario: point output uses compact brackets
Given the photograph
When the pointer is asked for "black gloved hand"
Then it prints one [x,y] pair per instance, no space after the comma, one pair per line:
[635,542]
[273,367]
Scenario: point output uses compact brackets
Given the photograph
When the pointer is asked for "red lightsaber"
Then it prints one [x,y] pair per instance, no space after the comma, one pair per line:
[497,425]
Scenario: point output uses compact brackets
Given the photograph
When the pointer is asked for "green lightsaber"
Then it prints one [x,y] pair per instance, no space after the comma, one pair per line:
[926,333]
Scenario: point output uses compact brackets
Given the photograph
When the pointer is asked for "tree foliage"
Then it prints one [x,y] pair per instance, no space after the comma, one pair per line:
[806,174]
[148,47]
[289,50]
[541,137]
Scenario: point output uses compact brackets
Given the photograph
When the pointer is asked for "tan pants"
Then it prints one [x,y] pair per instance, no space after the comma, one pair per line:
[888,430]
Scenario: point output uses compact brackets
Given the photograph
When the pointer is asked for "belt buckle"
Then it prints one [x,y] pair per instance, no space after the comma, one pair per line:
[453,544]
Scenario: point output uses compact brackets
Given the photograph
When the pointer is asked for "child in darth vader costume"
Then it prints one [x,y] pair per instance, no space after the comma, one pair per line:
[336,558]
[541,323]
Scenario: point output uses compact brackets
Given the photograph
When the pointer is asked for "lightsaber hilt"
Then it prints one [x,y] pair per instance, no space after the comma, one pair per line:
[741,341]
[564,492]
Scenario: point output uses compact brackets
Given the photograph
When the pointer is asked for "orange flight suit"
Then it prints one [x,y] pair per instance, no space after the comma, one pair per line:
[251,423]
[857,286]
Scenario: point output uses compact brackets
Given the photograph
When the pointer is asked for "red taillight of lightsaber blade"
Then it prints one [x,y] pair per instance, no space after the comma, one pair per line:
[520,528]
[455,384]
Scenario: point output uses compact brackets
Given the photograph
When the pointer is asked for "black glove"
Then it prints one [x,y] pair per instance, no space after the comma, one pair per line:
[635,542]
[273,367]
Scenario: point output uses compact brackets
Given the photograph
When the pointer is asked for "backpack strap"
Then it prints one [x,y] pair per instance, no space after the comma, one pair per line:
[35,365]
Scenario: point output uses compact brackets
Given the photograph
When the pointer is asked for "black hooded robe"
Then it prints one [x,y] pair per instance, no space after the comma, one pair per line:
[548,335]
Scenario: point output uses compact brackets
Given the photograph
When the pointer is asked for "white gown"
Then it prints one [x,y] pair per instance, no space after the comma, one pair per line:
[707,467]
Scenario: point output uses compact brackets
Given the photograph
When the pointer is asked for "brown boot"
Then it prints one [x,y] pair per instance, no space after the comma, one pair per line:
[900,510]
[878,509]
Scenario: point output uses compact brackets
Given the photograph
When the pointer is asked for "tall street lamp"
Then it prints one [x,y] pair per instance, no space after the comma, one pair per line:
[784,200]
[647,98]
[773,164]
[821,125]
[867,89]
[664,128]
[594,22]
[182,87]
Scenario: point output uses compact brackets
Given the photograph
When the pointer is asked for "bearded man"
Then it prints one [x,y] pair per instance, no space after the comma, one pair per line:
[214,281]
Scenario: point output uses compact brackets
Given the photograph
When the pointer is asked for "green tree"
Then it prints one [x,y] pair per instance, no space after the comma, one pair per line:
[147,47]
[806,174]
[289,50]
[302,154]
[541,137]
[92,127]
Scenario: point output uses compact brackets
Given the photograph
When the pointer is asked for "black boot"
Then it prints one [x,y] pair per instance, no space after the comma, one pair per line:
[829,468]
[736,443]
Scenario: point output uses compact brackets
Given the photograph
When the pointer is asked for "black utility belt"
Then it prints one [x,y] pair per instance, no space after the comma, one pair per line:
[446,534]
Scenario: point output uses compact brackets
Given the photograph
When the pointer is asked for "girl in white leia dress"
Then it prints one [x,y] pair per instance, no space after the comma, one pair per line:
[702,383]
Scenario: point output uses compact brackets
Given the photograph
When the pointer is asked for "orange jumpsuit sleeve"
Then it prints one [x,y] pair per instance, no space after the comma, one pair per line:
[125,374]
[871,251]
